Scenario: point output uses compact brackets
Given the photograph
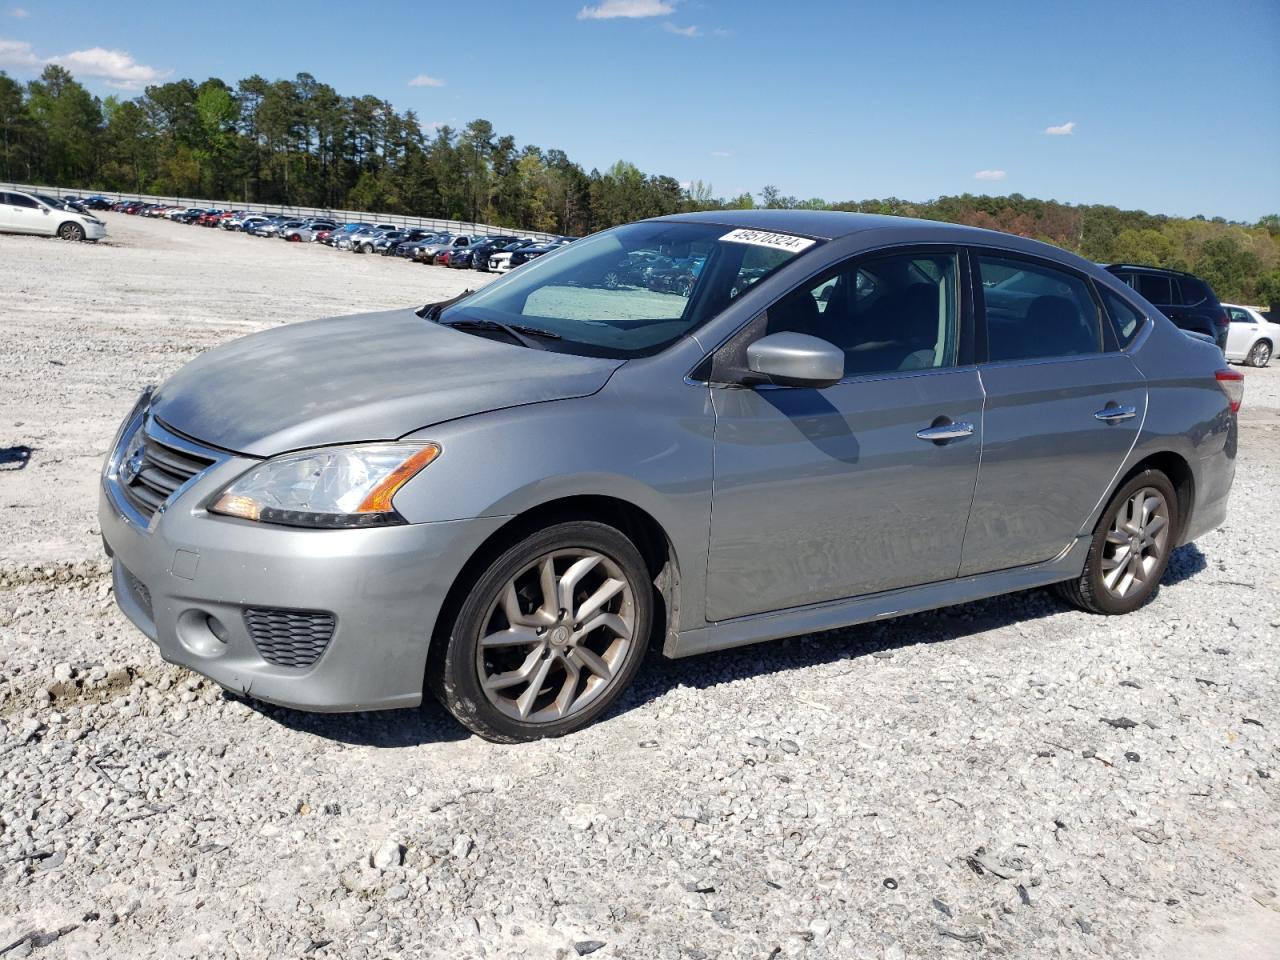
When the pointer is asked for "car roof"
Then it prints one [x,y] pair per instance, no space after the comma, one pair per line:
[819,224]
[1149,269]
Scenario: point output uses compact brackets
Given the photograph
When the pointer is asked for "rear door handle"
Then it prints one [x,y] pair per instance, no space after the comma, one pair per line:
[946,431]
[1114,414]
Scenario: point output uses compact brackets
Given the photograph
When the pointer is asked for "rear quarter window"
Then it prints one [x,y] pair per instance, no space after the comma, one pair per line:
[1126,320]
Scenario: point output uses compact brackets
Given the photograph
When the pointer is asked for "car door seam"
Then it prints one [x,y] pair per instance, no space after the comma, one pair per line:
[977,474]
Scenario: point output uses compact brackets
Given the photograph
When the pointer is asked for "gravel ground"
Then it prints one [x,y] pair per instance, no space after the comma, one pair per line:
[1042,783]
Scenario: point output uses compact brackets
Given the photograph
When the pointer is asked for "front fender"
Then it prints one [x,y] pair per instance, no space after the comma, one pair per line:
[651,449]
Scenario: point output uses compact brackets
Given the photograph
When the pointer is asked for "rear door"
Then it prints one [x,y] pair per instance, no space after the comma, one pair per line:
[1063,409]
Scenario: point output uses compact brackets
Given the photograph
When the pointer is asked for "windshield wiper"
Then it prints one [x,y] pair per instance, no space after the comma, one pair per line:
[517,332]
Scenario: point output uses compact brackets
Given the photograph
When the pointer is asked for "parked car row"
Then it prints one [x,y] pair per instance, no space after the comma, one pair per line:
[496,253]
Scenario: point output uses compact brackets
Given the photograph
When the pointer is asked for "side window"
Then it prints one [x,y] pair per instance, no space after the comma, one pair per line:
[1193,291]
[18,200]
[889,313]
[1035,310]
[1125,320]
[1155,288]
[1239,316]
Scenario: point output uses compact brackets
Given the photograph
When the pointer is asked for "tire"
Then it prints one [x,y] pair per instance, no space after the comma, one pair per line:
[71,231]
[579,669]
[1099,589]
[1260,355]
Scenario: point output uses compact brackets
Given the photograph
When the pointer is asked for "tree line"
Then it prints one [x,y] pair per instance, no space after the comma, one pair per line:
[299,142]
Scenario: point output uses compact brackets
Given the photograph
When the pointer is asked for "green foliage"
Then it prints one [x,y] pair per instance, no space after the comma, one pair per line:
[300,142]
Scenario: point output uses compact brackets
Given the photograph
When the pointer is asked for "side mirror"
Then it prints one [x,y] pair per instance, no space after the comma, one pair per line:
[796,360]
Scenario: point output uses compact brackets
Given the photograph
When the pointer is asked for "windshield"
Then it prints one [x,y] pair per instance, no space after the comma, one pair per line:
[631,291]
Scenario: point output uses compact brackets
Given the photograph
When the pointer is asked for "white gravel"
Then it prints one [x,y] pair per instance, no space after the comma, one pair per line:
[942,785]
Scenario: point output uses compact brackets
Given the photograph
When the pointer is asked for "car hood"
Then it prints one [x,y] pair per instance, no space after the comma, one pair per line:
[374,376]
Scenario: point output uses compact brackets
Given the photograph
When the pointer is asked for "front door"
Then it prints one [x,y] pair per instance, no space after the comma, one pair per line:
[826,494]
[1061,414]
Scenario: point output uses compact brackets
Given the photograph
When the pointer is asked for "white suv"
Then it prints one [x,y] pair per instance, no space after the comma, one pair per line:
[25,213]
[1252,338]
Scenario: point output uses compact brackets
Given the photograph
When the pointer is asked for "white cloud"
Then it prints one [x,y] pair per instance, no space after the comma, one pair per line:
[1063,130]
[722,153]
[681,31]
[115,67]
[423,80]
[17,53]
[19,13]
[721,32]
[632,9]
[990,175]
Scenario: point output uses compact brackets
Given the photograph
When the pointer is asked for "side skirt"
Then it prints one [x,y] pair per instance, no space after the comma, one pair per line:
[878,606]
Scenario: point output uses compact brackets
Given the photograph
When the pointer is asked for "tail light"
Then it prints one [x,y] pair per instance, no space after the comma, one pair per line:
[1232,384]
[1223,319]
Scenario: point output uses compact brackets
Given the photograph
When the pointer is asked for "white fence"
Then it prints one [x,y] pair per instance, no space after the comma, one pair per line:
[342,216]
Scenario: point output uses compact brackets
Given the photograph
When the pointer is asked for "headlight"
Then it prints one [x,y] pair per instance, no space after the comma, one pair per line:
[334,487]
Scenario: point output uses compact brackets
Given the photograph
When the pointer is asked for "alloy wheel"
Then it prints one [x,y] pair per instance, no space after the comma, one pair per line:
[71,231]
[1261,355]
[556,636]
[1136,543]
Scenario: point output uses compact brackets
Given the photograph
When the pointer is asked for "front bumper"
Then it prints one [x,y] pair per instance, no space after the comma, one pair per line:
[95,231]
[186,578]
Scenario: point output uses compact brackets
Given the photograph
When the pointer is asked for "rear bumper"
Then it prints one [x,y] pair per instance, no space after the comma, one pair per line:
[188,580]
[1213,478]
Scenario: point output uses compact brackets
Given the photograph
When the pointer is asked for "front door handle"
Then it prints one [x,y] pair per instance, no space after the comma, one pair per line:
[1114,414]
[955,430]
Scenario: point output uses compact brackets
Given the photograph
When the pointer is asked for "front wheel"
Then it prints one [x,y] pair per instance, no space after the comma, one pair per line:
[71,231]
[1130,549]
[1260,355]
[549,636]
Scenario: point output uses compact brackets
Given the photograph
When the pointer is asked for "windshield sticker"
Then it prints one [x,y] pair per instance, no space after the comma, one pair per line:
[762,238]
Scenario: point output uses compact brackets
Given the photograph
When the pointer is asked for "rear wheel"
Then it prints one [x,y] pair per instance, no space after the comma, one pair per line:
[1130,549]
[550,635]
[71,231]
[1260,355]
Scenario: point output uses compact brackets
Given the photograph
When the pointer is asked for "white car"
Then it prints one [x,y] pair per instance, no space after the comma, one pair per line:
[26,213]
[500,262]
[1252,338]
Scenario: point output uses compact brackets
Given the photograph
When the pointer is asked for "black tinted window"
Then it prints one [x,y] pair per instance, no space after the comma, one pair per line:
[886,314]
[1155,288]
[1193,290]
[18,200]
[1125,319]
[1034,311]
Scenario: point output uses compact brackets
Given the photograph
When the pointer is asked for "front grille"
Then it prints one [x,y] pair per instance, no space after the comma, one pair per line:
[151,472]
[289,638]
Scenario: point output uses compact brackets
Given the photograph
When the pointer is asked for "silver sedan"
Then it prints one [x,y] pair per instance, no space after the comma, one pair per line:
[803,420]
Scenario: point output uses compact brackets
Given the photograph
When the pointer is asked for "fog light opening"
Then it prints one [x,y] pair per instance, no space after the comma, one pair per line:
[217,629]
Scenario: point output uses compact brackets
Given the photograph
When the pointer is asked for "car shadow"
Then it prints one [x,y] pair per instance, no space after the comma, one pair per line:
[411,727]
[15,458]
[880,639]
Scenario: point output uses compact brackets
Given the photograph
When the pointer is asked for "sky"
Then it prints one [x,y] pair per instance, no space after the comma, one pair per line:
[1171,107]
